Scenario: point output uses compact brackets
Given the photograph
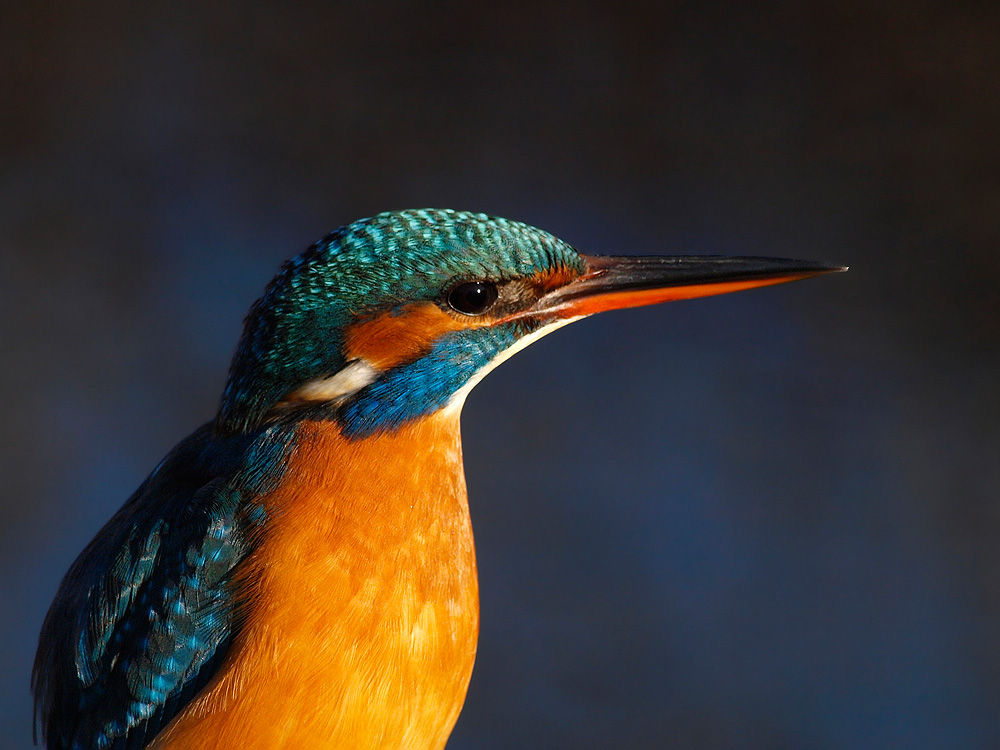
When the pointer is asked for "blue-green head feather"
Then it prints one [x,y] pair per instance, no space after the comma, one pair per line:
[296,333]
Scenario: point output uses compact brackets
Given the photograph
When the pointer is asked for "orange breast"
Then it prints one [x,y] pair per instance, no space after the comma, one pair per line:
[365,609]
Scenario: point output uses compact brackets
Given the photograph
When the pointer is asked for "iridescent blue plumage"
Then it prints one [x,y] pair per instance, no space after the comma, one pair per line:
[425,385]
[149,608]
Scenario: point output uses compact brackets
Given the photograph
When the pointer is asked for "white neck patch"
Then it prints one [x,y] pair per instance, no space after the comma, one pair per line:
[345,382]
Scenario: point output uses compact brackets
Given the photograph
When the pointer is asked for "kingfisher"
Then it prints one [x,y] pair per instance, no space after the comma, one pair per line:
[300,571]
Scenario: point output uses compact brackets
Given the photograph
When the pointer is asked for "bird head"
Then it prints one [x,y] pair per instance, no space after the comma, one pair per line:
[396,316]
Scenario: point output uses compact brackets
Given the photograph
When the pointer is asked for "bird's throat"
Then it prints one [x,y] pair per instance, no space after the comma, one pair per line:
[364,600]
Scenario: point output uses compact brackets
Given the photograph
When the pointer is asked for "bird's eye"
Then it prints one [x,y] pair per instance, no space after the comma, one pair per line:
[473,297]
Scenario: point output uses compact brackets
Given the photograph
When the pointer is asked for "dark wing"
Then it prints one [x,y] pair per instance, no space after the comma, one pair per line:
[147,612]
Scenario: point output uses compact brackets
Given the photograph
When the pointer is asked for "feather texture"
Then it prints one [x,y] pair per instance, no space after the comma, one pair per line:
[365,615]
[146,613]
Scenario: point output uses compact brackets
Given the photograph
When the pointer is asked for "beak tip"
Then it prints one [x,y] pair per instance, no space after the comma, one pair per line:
[823,268]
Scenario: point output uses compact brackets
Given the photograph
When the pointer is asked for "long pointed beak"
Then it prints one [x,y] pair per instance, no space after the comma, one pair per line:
[614,282]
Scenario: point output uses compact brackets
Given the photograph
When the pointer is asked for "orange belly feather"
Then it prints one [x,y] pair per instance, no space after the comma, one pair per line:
[365,614]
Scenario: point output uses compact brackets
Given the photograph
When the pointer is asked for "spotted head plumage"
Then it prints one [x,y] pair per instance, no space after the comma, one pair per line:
[380,321]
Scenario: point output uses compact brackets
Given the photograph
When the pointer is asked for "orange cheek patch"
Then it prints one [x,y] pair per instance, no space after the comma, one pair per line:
[399,336]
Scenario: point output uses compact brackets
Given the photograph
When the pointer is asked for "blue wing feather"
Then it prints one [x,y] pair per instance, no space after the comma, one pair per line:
[145,615]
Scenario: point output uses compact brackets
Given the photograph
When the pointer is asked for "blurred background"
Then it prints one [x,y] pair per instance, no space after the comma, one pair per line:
[765,520]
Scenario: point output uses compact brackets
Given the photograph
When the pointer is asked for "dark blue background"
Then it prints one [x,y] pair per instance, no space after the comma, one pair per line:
[767,520]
